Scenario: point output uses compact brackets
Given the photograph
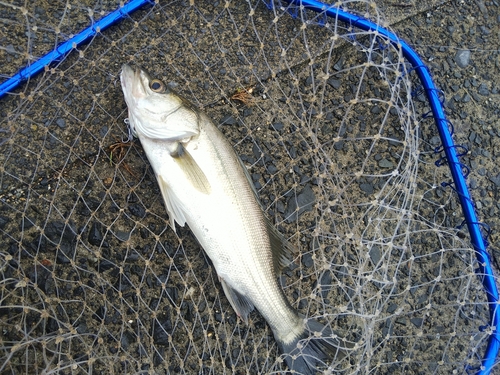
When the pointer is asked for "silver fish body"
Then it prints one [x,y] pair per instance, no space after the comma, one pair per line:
[204,184]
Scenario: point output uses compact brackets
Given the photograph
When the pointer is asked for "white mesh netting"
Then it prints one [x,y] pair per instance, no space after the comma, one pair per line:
[92,280]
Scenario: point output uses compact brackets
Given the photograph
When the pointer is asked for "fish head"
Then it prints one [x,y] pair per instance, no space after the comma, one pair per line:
[153,108]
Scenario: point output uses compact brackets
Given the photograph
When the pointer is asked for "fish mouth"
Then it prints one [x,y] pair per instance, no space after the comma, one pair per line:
[135,82]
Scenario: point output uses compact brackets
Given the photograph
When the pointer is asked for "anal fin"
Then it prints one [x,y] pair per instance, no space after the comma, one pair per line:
[241,304]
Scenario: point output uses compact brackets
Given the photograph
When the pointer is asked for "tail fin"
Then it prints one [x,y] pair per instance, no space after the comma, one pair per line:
[320,346]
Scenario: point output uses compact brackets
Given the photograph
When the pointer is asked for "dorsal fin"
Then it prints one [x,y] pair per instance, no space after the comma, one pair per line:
[282,250]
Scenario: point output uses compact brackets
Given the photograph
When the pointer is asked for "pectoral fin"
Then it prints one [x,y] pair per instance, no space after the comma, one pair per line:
[192,170]
[175,208]
[241,304]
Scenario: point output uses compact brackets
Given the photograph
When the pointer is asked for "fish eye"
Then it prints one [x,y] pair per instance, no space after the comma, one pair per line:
[157,86]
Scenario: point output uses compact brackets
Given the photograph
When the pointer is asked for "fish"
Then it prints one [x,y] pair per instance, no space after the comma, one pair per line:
[204,184]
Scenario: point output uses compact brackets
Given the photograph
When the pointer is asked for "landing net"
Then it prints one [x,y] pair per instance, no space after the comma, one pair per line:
[333,126]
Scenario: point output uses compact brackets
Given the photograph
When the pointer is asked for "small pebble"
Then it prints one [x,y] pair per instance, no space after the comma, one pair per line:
[61,123]
[462,58]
